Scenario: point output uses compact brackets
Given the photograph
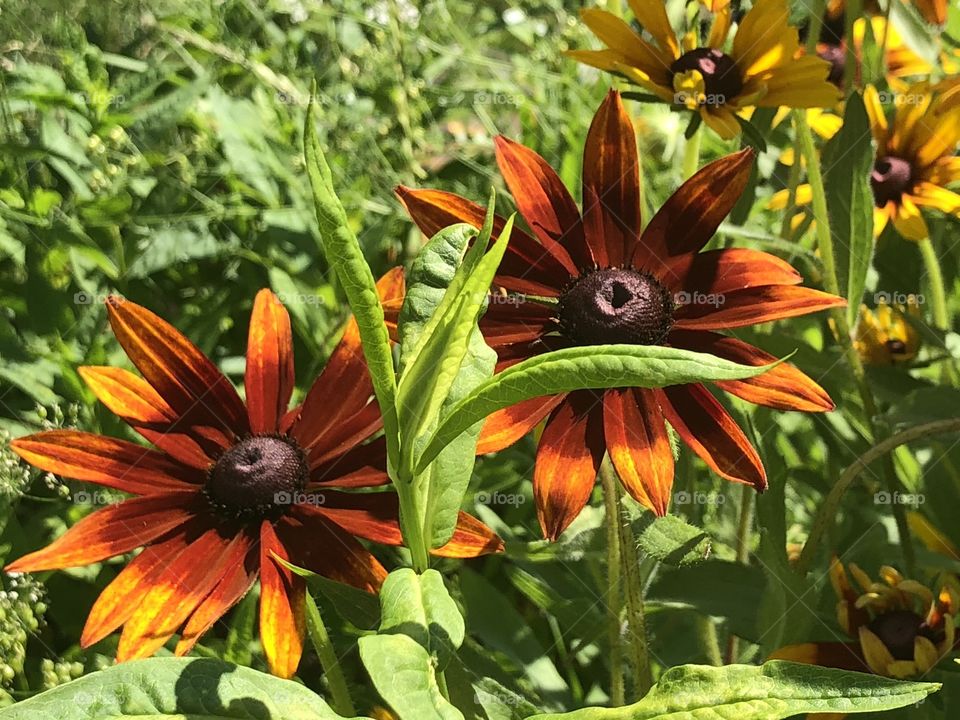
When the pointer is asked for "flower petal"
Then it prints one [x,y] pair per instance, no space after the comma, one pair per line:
[755,305]
[652,17]
[360,466]
[693,213]
[568,459]
[269,377]
[611,171]
[134,399]
[342,438]
[282,606]
[637,441]
[703,424]
[106,461]
[175,592]
[842,655]
[113,530]
[190,383]
[544,202]
[722,271]
[433,210]
[504,427]
[784,387]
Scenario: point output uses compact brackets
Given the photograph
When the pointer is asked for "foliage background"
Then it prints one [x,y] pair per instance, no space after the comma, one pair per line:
[153,148]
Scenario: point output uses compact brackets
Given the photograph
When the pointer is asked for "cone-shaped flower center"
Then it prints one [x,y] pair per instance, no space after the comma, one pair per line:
[891,177]
[258,477]
[616,305]
[898,630]
[721,78]
[836,55]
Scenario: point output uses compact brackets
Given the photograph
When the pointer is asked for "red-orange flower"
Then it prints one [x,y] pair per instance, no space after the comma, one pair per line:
[608,282]
[230,487]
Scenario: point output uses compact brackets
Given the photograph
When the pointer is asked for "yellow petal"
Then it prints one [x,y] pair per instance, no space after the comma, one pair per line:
[932,539]
[652,16]
[722,121]
[765,38]
[876,654]
[720,28]
[908,221]
[618,36]
[930,195]
[925,654]
[780,199]
[877,113]
[881,216]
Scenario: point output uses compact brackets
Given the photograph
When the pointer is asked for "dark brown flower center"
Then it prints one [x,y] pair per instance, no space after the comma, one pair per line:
[836,55]
[891,177]
[258,477]
[898,630]
[721,77]
[896,347]
[616,305]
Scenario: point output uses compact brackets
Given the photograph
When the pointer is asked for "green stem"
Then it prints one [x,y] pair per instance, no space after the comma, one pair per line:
[707,631]
[691,154]
[815,25]
[831,504]
[793,181]
[337,683]
[853,11]
[609,484]
[938,292]
[842,329]
[632,586]
[743,553]
[412,523]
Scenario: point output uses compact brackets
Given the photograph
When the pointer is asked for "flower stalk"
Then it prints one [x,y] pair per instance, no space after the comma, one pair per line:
[340,692]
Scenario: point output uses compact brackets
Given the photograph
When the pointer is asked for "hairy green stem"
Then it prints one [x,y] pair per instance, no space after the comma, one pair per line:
[831,504]
[815,24]
[938,291]
[842,329]
[743,554]
[691,154]
[613,602]
[707,632]
[340,700]
[853,12]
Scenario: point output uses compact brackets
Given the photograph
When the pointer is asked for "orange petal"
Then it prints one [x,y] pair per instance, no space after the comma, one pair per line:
[433,210]
[238,572]
[282,606]
[693,213]
[190,383]
[114,530]
[703,424]
[392,288]
[504,427]
[121,598]
[471,538]
[568,459]
[544,202]
[512,319]
[359,466]
[176,591]
[134,399]
[728,270]
[753,306]
[784,387]
[611,170]
[320,546]
[342,438]
[637,441]
[269,378]
[842,655]
[105,461]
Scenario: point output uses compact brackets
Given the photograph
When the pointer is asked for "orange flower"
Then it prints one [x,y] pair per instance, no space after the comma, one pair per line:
[601,280]
[229,487]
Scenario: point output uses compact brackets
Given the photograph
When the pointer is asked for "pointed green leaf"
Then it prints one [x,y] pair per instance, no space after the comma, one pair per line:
[353,605]
[773,691]
[595,367]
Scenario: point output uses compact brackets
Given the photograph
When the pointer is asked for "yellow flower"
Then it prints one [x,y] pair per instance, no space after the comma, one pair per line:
[901,629]
[915,161]
[764,66]
[886,336]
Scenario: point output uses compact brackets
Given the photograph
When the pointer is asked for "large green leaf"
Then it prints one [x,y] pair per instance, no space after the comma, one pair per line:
[178,689]
[847,162]
[595,367]
[354,605]
[345,256]
[773,691]
[434,280]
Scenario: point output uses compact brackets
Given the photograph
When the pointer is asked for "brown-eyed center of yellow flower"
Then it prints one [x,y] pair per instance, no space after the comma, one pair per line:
[891,177]
[616,305]
[836,55]
[258,477]
[722,80]
[899,629]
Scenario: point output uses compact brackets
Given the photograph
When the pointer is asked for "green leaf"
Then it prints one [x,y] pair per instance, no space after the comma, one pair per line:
[175,688]
[847,162]
[773,691]
[426,381]
[343,252]
[436,277]
[500,703]
[420,606]
[671,540]
[595,367]
[402,674]
[356,606]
